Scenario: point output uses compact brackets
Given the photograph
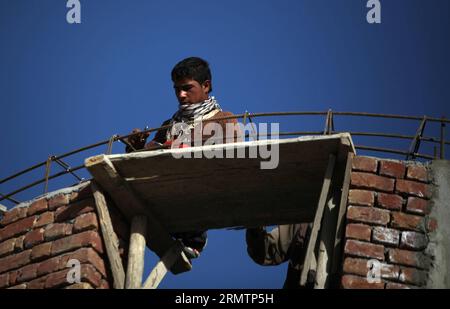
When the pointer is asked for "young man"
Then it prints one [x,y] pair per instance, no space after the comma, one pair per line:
[192,83]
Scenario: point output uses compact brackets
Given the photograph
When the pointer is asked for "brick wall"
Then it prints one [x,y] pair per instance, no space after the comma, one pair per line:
[388,220]
[38,239]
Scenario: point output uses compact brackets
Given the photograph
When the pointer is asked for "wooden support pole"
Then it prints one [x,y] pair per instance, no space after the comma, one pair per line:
[161,268]
[109,237]
[136,253]
[326,245]
[318,219]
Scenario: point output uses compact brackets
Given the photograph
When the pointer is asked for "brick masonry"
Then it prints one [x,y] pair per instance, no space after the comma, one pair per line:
[38,240]
[388,225]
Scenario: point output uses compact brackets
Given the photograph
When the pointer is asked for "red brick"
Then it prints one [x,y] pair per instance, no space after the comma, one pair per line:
[392,169]
[398,286]
[85,222]
[4,281]
[364,249]
[13,277]
[368,215]
[18,245]
[45,219]
[33,238]
[431,224]
[13,215]
[17,228]
[364,164]
[407,222]
[57,230]
[84,239]
[14,261]
[38,283]
[86,256]
[385,236]
[418,206]
[413,276]
[355,282]
[41,251]
[74,210]
[27,273]
[413,188]
[361,197]
[390,201]
[59,279]
[49,266]
[57,201]
[413,240]
[370,181]
[409,258]
[416,172]
[21,286]
[362,267]
[358,231]
[37,207]
[7,247]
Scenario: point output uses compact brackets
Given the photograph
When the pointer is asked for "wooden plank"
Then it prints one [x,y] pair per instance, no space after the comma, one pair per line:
[109,237]
[337,252]
[326,244]
[158,239]
[318,218]
[236,191]
[136,253]
[160,270]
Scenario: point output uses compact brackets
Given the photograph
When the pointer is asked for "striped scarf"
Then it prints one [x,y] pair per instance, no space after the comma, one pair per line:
[188,112]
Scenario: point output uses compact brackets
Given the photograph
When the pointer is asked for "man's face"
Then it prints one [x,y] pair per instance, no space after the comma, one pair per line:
[189,91]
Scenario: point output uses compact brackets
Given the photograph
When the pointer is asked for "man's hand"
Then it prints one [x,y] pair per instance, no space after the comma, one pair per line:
[138,140]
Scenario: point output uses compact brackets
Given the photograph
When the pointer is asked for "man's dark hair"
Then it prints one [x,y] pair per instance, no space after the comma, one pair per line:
[194,68]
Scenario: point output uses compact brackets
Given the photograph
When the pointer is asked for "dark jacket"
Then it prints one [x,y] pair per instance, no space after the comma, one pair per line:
[284,243]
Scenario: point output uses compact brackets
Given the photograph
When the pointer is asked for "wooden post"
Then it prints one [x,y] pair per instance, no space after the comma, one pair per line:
[109,237]
[318,219]
[136,253]
[340,224]
[161,268]
[326,245]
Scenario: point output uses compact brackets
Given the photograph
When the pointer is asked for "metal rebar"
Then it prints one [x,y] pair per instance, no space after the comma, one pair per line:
[388,150]
[9,199]
[39,182]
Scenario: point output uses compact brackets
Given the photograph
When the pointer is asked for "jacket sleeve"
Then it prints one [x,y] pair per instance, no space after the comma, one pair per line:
[270,248]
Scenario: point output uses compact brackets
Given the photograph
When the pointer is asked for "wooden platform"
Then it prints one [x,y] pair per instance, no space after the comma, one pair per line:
[192,194]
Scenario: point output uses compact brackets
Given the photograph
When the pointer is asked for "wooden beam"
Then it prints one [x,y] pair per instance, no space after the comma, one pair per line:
[109,237]
[326,244]
[318,218]
[337,252]
[161,268]
[158,239]
[136,253]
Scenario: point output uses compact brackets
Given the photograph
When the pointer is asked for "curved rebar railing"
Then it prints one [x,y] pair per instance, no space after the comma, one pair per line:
[411,153]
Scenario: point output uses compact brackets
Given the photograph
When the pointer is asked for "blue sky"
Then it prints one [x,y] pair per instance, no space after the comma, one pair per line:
[63,86]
